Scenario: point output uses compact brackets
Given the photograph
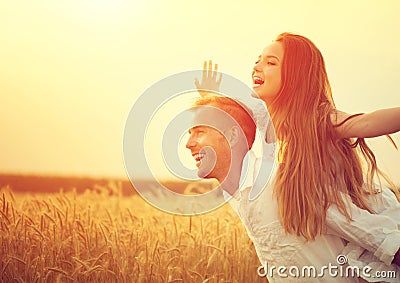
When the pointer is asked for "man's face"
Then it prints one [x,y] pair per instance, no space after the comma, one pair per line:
[208,145]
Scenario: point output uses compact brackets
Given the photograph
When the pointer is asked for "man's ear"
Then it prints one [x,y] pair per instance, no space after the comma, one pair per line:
[234,135]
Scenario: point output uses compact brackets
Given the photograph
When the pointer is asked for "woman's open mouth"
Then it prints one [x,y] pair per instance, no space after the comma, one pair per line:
[257,81]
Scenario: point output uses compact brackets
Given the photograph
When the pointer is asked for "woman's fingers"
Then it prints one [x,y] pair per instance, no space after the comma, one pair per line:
[208,71]
[215,71]
[209,74]
[204,69]
[210,79]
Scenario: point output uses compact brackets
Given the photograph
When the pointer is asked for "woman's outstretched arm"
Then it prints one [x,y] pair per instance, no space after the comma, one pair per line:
[368,125]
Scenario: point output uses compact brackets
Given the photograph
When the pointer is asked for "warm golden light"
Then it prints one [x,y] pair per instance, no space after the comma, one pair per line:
[71,70]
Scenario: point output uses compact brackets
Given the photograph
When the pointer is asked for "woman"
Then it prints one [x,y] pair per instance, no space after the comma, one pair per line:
[319,181]
[319,163]
[318,158]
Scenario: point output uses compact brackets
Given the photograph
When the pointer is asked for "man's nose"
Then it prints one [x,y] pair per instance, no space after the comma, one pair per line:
[191,142]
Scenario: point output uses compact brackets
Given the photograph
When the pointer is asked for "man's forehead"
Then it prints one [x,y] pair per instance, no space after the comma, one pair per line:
[212,117]
[198,128]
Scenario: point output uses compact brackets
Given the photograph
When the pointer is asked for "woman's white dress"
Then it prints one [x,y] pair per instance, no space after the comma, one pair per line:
[345,243]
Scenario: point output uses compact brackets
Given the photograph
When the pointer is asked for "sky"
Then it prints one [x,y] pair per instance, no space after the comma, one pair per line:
[70,71]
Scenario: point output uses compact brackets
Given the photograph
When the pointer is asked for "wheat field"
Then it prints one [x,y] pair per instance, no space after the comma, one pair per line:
[101,236]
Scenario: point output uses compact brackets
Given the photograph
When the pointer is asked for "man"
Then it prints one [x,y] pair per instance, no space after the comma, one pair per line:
[222,133]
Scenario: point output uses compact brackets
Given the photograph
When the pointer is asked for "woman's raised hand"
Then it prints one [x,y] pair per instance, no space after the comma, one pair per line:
[209,81]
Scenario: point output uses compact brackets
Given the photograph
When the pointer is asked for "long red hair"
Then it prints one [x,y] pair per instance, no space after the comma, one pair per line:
[316,165]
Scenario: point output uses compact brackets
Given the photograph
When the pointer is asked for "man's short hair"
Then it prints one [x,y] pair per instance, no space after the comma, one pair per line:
[237,110]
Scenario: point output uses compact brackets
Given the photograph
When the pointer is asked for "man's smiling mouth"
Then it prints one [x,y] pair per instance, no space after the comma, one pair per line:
[198,157]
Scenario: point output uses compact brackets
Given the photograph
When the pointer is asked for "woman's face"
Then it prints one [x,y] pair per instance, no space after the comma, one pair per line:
[267,72]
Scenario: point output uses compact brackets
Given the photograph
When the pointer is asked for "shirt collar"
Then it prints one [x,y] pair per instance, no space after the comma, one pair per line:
[255,176]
